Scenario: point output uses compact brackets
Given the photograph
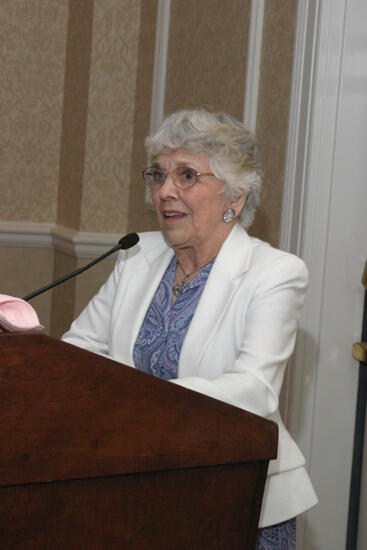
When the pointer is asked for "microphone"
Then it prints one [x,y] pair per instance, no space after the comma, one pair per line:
[128,241]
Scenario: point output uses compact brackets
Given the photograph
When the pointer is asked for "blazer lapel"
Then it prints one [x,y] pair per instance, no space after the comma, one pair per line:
[142,285]
[232,261]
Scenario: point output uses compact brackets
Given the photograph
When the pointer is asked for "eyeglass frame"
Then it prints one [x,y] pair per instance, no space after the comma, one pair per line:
[198,175]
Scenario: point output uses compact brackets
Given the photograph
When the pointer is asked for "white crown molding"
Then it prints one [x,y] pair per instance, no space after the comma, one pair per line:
[253,64]
[80,244]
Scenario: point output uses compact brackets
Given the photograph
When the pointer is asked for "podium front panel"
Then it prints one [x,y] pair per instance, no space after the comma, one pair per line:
[202,508]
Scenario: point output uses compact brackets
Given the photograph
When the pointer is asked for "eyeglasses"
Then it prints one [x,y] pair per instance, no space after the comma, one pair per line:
[183,177]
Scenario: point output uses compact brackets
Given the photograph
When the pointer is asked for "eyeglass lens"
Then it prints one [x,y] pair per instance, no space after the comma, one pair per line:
[182,176]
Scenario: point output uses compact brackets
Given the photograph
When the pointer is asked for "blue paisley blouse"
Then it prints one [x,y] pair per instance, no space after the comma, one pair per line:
[158,345]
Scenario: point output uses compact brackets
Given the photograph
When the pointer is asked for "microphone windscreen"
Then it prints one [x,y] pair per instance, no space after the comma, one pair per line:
[131,239]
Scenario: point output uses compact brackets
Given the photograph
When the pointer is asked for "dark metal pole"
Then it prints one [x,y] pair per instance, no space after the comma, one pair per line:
[359,430]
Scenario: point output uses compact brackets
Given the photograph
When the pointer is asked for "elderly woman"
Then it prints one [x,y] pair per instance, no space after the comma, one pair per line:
[203,304]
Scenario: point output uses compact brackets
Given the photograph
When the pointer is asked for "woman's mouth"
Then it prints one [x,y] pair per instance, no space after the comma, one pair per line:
[171,216]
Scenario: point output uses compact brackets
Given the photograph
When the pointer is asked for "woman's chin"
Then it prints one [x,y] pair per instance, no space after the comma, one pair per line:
[174,237]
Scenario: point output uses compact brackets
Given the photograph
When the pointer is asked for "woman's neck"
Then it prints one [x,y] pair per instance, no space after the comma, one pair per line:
[195,255]
[192,260]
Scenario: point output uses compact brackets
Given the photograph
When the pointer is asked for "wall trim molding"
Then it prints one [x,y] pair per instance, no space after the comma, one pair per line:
[80,244]
[27,234]
[294,184]
[160,64]
[253,64]
[159,73]
[293,218]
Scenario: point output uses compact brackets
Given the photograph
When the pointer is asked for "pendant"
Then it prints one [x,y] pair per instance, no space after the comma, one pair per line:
[179,288]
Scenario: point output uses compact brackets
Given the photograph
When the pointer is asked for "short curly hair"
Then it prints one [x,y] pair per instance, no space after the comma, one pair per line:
[233,155]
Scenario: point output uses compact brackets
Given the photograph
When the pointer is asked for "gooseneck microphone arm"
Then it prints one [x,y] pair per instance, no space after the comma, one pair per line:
[124,244]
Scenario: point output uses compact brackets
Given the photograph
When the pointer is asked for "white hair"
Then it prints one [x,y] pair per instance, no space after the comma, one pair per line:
[233,155]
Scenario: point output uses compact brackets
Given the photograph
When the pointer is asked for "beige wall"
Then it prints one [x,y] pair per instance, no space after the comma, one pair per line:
[63,296]
[69,73]
[70,298]
[32,62]
[23,270]
[100,80]
[74,116]
[75,111]
[110,116]
[207,55]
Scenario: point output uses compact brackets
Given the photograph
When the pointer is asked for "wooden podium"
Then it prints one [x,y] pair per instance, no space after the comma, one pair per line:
[97,455]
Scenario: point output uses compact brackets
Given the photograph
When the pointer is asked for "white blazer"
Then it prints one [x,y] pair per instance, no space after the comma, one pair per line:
[236,347]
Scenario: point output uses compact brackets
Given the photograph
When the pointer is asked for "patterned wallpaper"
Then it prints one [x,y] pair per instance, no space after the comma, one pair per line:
[39,116]
[110,115]
[207,52]
[32,57]
[75,112]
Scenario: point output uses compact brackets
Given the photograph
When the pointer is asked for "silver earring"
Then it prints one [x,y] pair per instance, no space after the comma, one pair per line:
[228,215]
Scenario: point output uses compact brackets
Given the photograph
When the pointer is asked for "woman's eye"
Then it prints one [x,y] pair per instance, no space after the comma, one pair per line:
[188,174]
[158,175]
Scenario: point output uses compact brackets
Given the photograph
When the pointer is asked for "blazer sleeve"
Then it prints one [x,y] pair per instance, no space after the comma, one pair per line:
[254,380]
[91,329]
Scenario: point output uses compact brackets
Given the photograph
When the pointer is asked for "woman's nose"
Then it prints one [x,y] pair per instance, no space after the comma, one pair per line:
[168,189]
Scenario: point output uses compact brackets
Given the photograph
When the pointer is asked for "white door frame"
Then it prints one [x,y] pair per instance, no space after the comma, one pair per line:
[322,388]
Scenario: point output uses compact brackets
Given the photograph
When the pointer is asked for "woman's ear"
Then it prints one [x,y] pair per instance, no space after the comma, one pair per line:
[237,205]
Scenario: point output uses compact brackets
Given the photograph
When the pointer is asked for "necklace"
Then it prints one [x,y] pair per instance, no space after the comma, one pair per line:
[179,288]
